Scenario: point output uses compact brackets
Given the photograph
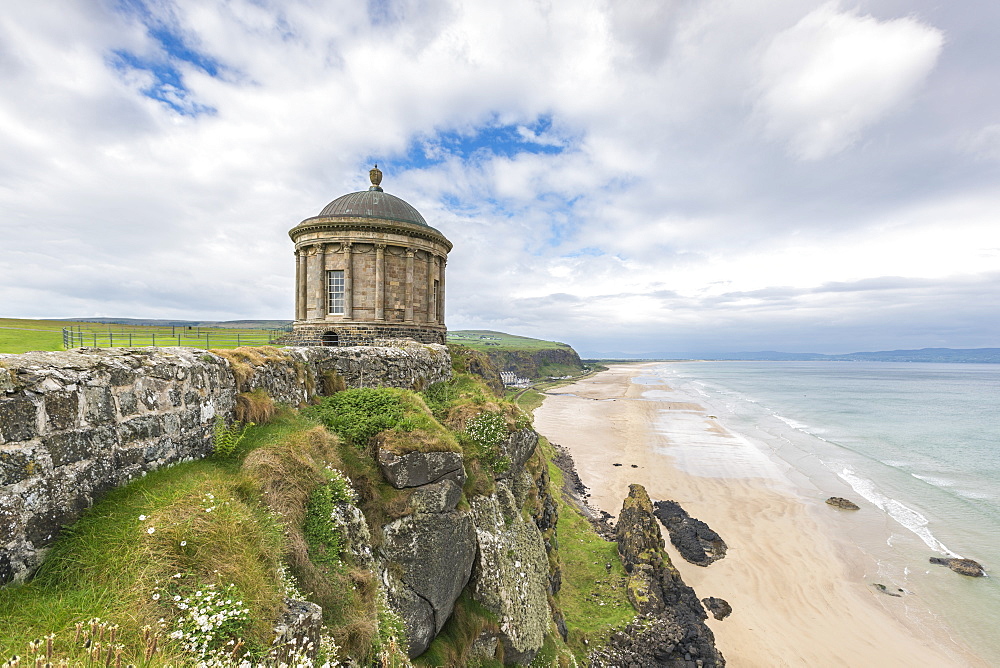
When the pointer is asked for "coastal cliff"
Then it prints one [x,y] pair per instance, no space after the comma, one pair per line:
[422,524]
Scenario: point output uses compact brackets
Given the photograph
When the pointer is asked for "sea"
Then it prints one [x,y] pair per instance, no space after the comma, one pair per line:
[917,445]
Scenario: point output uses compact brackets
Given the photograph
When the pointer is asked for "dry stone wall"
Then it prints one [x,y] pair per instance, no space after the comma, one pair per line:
[78,423]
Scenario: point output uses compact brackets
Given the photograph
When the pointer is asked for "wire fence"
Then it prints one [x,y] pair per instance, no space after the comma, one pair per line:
[195,337]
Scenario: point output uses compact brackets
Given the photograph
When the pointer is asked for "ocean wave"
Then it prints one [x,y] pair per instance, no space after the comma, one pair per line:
[794,424]
[934,480]
[903,514]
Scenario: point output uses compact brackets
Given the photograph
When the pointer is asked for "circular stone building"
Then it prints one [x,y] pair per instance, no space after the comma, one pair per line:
[368,268]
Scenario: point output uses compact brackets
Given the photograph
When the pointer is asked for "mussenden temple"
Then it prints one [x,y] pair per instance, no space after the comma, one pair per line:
[368,269]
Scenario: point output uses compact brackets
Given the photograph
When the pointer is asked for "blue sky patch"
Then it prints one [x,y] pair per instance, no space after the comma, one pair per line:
[166,66]
[484,142]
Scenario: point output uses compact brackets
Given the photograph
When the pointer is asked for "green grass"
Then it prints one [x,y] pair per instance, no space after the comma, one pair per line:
[592,597]
[18,335]
[109,566]
[482,339]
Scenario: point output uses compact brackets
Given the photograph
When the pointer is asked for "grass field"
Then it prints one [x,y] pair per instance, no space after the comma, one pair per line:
[484,339]
[20,335]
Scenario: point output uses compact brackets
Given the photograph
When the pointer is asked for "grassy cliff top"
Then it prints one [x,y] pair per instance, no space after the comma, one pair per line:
[484,339]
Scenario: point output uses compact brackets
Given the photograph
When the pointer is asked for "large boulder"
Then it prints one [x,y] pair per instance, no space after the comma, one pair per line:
[511,574]
[656,590]
[420,468]
[694,540]
[842,503]
[964,566]
[428,558]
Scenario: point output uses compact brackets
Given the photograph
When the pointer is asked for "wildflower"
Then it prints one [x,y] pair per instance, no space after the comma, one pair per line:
[142,518]
[183,543]
[156,596]
[150,529]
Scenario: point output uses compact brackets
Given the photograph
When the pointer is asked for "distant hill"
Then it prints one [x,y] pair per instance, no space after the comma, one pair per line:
[964,355]
[527,357]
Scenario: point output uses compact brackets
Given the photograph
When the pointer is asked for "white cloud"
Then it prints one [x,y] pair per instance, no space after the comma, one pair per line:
[664,209]
[837,72]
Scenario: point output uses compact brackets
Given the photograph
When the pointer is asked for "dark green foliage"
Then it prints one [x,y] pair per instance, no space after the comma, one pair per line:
[324,540]
[358,415]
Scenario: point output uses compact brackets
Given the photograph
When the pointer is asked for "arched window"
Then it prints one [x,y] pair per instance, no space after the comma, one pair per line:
[331,339]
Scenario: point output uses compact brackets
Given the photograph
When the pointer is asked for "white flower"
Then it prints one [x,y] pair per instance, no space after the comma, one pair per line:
[142,518]
[150,529]
[183,543]
[156,596]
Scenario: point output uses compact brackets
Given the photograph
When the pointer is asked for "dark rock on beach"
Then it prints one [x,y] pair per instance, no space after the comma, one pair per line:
[676,633]
[879,587]
[719,607]
[695,541]
[842,503]
[964,566]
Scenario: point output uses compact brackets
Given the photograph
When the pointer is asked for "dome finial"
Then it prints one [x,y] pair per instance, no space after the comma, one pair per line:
[375,174]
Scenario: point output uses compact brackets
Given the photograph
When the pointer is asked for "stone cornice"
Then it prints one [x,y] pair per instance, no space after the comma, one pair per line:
[341,225]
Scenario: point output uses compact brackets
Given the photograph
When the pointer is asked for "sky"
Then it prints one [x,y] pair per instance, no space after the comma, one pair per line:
[626,176]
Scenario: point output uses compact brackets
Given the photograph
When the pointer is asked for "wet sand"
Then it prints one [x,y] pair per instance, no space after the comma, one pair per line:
[797,600]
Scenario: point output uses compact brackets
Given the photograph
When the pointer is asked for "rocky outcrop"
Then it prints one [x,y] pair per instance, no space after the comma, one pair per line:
[842,503]
[656,590]
[511,575]
[420,468]
[296,635]
[654,640]
[694,540]
[467,360]
[537,363]
[964,566]
[428,559]
[719,607]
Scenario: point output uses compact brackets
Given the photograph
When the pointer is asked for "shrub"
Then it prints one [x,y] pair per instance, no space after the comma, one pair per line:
[358,415]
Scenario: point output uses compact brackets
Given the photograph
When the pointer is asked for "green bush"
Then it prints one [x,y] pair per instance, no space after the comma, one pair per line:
[358,415]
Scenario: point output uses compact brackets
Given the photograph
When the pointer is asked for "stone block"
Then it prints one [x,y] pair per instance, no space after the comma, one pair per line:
[98,405]
[420,468]
[18,464]
[62,409]
[141,428]
[127,404]
[18,417]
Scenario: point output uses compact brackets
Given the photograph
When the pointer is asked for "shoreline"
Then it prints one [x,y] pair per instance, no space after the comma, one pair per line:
[797,587]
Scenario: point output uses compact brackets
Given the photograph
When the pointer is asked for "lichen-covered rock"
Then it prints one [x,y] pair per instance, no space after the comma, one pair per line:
[696,542]
[519,447]
[656,589]
[350,524]
[428,558]
[511,574]
[657,640]
[420,468]
[297,632]
[438,497]
[842,503]
[968,567]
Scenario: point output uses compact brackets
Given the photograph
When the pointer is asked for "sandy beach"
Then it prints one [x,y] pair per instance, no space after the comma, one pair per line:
[798,594]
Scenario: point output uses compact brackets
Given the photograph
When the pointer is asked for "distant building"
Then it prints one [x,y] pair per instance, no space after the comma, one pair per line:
[368,268]
[511,379]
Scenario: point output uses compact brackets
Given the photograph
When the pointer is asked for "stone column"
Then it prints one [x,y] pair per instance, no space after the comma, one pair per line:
[298,284]
[408,292]
[319,291]
[431,304]
[348,280]
[444,263]
[380,281]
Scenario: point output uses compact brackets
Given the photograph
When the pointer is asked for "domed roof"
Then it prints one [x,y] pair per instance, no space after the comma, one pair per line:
[373,203]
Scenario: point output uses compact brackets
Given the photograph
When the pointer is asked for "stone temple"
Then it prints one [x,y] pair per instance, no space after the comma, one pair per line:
[368,269]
